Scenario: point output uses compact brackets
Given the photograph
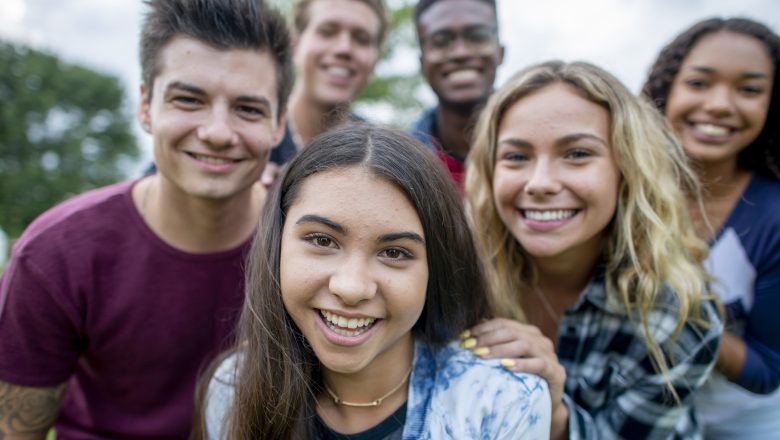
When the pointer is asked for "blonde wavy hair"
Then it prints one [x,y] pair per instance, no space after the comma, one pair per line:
[650,245]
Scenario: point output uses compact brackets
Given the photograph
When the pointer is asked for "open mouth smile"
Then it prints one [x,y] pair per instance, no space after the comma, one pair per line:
[212,160]
[344,326]
[548,215]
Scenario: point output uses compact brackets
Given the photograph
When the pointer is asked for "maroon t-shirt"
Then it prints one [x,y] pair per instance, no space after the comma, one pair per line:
[93,297]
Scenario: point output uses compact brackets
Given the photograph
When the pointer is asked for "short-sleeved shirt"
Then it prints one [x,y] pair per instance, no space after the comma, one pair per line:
[94,298]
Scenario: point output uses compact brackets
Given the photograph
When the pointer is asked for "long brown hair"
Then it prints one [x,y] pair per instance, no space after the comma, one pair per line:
[278,375]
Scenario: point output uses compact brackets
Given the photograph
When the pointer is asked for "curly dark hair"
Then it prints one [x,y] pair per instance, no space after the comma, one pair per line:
[762,154]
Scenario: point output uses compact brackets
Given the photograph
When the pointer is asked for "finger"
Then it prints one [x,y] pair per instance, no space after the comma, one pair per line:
[490,326]
[512,349]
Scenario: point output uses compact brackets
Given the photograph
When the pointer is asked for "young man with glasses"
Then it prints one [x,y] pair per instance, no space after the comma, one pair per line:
[459,56]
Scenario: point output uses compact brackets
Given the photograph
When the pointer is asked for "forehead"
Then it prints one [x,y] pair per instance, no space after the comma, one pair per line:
[349,13]
[556,110]
[230,71]
[456,14]
[726,49]
[356,198]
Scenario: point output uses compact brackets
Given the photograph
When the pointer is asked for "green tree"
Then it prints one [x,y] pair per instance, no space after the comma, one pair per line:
[64,129]
[396,90]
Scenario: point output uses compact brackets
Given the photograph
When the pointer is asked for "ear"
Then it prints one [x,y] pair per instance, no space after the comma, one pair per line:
[144,117]
[500,55]
[281,123]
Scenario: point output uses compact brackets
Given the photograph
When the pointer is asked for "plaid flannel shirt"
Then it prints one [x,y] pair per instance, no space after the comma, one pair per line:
[612,390]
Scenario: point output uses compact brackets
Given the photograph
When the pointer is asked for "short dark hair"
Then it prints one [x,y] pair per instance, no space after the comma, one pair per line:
[423,5]
[278,372]
[762,154]
[222,24]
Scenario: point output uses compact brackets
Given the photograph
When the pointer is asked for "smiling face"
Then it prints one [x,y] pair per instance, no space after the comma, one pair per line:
[213,118]
[462,71]
[353,269]
[719,100]
[556,181]
[336,53]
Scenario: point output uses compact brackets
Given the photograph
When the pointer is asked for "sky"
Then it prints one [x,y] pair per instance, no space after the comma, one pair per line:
[622,36]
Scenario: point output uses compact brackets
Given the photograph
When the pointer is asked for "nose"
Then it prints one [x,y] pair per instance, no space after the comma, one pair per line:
[217,130]
[343,43]
[719,100]
[542,179]
[352,281]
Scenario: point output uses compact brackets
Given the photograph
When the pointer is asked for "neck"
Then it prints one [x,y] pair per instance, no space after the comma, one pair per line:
[384,374]
[565,278]
[455,125]
[720,178]
[197,224]
[309,118]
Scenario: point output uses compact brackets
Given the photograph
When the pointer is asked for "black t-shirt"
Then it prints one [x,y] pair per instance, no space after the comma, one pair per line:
[391,428]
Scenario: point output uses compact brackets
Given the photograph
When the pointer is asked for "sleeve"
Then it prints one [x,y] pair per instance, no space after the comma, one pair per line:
[219,398]
[761,372]
[523,408]
[40,335]
[646,409]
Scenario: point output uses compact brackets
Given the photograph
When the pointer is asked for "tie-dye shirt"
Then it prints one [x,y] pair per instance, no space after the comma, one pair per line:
[452,395]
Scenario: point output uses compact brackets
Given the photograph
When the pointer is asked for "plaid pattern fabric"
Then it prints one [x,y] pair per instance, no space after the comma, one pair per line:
[612,390]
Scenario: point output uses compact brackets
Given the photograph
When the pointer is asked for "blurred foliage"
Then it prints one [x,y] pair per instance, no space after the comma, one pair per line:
[396,90]
[64,129]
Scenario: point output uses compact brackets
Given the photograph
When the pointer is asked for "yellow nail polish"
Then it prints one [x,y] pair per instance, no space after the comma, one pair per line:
[469,343]
[465,335]
[507,363]
[481,351]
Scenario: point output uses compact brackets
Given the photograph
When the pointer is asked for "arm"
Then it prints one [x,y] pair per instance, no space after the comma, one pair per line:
[758,367]
[27,413]
[524,349]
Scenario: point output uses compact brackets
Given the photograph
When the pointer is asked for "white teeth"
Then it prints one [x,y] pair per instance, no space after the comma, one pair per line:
[712,129]
[342,325]
[547,216]
[211,159]
[339,71]
[463,75]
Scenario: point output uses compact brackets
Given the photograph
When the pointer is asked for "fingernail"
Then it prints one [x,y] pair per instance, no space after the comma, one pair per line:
[481,351]
[469,343]
[465,334]
[507,363]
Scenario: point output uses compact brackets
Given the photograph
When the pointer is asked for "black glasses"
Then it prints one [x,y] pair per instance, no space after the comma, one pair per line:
[474,37]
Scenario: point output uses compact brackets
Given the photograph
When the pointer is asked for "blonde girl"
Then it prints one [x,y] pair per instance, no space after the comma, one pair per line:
[575,196]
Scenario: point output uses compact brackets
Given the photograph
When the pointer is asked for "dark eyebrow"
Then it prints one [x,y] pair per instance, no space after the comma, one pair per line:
[195,90]
[311,218]
[407,235]
[178,85]
[746,75]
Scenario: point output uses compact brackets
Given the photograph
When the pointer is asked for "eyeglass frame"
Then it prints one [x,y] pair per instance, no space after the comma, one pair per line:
[463,35]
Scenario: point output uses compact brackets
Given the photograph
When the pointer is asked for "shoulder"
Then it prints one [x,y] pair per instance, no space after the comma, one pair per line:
[422,128]
[761,199]
[469,396]
[81,214]
[219,396]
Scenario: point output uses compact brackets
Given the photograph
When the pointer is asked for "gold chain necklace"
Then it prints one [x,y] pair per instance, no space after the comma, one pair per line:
[374,403]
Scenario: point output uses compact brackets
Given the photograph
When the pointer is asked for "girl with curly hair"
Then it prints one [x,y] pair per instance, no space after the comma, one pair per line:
[716,83]
[574,192]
